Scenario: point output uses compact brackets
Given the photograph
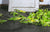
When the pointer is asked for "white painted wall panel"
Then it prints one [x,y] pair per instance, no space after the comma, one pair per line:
[25,5]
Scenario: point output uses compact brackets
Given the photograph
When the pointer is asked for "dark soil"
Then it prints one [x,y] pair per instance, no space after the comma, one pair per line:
[11,26]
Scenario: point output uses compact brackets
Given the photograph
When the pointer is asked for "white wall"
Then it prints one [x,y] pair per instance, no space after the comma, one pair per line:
[4,1]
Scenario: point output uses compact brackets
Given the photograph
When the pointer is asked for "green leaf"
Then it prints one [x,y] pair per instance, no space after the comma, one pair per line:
[2,21]
[1,14]
[25,21]
[15,18]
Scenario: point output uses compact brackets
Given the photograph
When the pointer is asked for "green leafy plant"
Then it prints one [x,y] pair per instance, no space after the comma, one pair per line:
[1,14]
[41,17]
[3,21]
[18,13]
